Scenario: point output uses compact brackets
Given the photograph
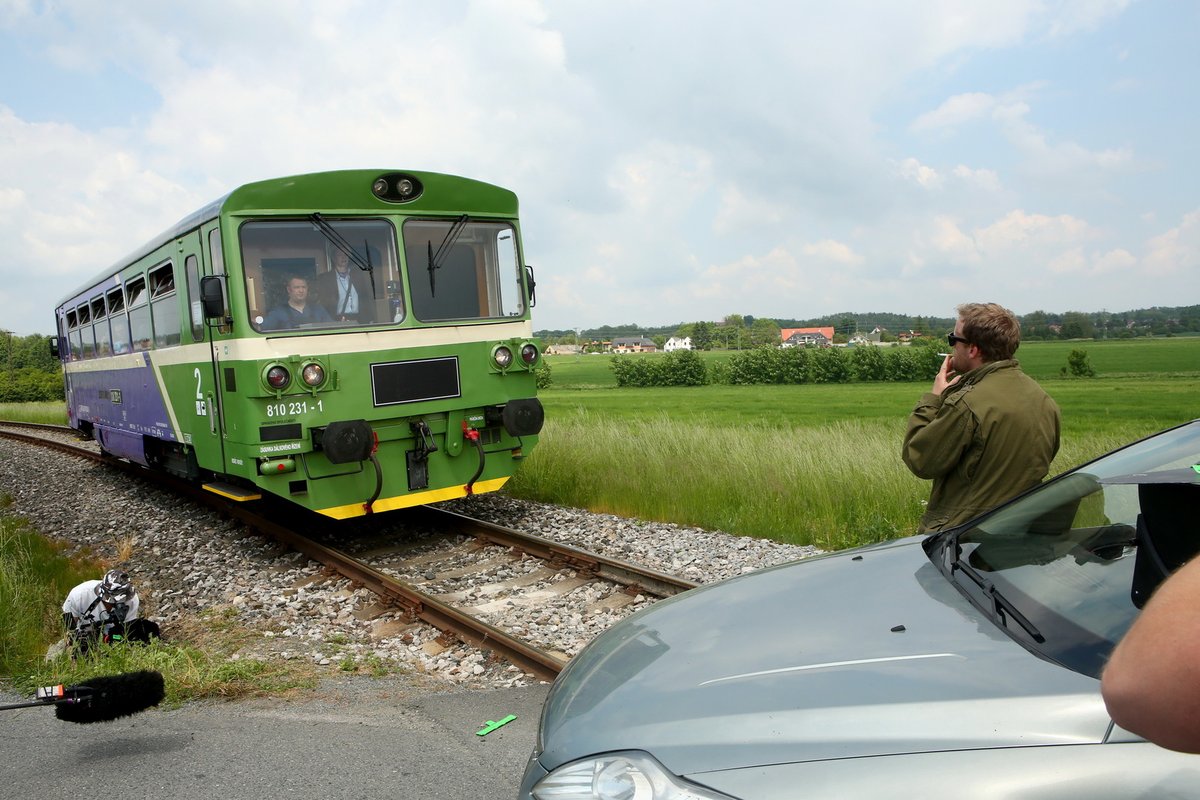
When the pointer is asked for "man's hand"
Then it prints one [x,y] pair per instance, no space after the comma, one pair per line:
[945,378]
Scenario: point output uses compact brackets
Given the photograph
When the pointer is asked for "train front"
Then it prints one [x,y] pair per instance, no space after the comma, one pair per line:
[377,352]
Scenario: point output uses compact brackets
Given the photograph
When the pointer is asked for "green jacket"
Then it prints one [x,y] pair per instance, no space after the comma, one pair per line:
[983,440]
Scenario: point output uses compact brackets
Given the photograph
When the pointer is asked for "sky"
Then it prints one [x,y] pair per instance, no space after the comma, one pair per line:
[675,161]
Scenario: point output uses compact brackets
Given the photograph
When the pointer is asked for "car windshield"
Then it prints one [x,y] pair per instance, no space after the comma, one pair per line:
[1066,567]
[462,269]
[320,273]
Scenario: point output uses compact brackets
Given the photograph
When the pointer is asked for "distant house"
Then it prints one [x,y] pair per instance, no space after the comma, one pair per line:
[634,344]
[564,350]
[806,337]
[675,343]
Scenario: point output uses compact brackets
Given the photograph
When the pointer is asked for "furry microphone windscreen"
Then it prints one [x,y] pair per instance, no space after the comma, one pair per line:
[107,697]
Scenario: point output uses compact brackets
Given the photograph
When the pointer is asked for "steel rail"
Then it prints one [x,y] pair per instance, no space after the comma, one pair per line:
[634,577]
[415,603]
[51,444]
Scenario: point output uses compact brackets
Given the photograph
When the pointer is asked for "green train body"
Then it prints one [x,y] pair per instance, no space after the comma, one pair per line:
[416,386]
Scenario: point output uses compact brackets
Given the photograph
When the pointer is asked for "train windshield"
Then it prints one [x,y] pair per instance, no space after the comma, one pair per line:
[462,269]
[321,273]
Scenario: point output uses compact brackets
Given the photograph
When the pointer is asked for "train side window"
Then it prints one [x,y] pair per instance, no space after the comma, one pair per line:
[164,306]
[74,340]
[100,324]
[215,253]
[118,321]
[162,281]
[504,271]
[191,270]
[76,344]
[87,335]
[137,301]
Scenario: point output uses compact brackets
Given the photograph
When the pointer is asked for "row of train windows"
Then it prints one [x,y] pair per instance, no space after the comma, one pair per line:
[142,314]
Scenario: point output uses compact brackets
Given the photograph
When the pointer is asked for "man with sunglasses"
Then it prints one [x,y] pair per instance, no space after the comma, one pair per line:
[986,431]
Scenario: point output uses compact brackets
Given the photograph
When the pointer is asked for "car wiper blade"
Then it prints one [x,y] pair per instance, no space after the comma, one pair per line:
[339,241]
[1002,607]
[435,259]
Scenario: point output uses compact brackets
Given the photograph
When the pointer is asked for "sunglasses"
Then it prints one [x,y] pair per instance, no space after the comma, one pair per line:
[952,340]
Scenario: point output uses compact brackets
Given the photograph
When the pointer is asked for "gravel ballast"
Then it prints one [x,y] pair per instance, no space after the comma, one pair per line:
[186,560]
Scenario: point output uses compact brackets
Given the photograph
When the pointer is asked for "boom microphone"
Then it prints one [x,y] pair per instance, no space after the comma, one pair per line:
[103,698]
[108,697]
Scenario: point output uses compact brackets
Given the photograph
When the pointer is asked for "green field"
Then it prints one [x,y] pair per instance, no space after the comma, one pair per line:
[813,464]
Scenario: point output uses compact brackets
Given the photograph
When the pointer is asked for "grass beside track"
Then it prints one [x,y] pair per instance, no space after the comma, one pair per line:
[809,464]
[195,659]
[812,464]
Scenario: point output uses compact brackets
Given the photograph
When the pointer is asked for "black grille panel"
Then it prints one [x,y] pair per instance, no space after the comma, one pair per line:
[413,381]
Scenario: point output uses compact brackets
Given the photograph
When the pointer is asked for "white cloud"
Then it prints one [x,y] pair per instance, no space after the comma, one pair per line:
[984,179]
[955,111]
[674,160]
[1176,253]
[833,252]
[914,170]
[1018,230]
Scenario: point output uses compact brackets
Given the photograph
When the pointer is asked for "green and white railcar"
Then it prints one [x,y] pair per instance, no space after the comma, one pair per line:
[192,354]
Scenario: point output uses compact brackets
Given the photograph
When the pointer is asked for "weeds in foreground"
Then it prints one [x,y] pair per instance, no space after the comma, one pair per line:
[35,576]
[197,657]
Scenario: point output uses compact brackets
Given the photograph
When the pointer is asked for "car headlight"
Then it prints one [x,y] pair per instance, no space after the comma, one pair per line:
[618,776]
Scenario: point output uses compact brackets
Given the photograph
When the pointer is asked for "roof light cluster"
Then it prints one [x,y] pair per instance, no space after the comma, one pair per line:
[396,187]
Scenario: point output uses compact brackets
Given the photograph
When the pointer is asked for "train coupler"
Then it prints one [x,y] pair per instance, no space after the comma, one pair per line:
[417,459]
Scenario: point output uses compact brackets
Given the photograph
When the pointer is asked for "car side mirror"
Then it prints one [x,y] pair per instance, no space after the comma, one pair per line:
[212,297]
[532,286]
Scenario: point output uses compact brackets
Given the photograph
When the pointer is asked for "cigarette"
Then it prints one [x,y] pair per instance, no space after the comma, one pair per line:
[944,355]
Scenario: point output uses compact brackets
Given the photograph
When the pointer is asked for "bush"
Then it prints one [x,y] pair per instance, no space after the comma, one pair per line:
[543,376]
[1080,365]
[774,365]
[868,363]
[679,368]
[829,365]
[685,368]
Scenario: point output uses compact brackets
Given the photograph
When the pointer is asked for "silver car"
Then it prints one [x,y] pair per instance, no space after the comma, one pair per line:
[963,664]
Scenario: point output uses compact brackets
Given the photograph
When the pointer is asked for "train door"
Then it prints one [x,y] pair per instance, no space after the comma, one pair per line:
[199,262]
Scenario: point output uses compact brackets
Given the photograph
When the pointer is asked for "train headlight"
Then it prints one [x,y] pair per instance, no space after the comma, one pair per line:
[396,187]
[503,357]
[529,354]
[278,377]
[313,374]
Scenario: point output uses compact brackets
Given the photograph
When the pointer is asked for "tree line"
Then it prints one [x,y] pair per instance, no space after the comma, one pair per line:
[28,373]
[742,332]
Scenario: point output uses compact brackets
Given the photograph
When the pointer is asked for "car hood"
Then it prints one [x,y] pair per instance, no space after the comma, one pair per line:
[861,653]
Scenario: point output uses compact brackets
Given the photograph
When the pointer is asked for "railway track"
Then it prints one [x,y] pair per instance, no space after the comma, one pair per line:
[427,584]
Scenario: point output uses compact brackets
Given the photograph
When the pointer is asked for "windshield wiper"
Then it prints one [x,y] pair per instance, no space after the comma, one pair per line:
[339,241]
[435,259]
[1002,607]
